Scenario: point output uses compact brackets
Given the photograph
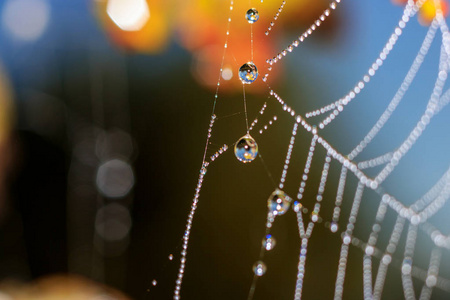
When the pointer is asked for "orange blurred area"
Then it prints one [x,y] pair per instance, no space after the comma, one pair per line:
[428,10]
[200,27]
[67,287]
[7,113]
[152,31]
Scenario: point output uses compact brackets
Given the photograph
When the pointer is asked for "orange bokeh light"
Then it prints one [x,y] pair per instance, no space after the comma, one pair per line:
[428,9]
[152,37]
[200,26]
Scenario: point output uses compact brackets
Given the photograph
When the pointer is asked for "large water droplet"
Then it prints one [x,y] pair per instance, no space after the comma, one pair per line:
[246,149]
[278,202]
[252,15]
[248,73]
[269,242]
[259,268]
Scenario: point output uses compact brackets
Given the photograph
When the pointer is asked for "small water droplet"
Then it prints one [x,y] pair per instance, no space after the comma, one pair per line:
[333,226]
[278,202]
[203,171]
[269,242]
[246,149]
[248,73]
[347,239]
[259,268]
[154,282]
[170,257]
[252,15]
[407,266]
[297,206]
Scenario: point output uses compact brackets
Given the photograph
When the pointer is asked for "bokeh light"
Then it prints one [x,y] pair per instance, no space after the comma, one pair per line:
[26,20]
[227,73]
[114,142]
[115,178]
[113,222]
[139,26]
[129,15]
[428,10]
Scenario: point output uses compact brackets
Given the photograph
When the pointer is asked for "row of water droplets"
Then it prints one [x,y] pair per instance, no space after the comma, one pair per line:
[301,38]
[436,103]
[246,150]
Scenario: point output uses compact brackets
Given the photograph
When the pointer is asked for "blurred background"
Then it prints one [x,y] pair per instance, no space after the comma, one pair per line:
[104,111]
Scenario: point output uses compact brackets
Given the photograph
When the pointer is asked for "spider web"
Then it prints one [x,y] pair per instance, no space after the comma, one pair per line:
[385,246]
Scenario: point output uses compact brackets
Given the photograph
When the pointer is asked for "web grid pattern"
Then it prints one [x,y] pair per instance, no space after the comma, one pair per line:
[410,218]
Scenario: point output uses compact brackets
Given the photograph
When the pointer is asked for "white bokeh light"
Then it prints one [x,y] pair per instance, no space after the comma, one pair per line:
[113,222]
[129,15]
[26,20]
[115,178]
[227,73]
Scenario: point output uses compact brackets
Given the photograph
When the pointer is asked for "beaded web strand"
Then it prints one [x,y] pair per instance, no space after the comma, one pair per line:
[410,219]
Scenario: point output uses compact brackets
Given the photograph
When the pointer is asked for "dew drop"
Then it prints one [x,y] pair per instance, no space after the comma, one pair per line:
[278,202]
[259,268]
[154,282]
[246,149]
[203,171]
[170,257]
[333,226]
[269,242]
[248,73]
[297,206]
[252,15]
[407,266]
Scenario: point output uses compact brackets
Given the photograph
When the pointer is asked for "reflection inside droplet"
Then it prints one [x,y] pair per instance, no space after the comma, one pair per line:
[246,149]
[278,202]
[252,15]
[248,73]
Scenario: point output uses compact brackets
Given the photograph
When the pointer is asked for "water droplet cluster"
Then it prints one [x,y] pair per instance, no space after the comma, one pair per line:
[246,150]
[265,127]
[261,112]
[280,9]
[219,152]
